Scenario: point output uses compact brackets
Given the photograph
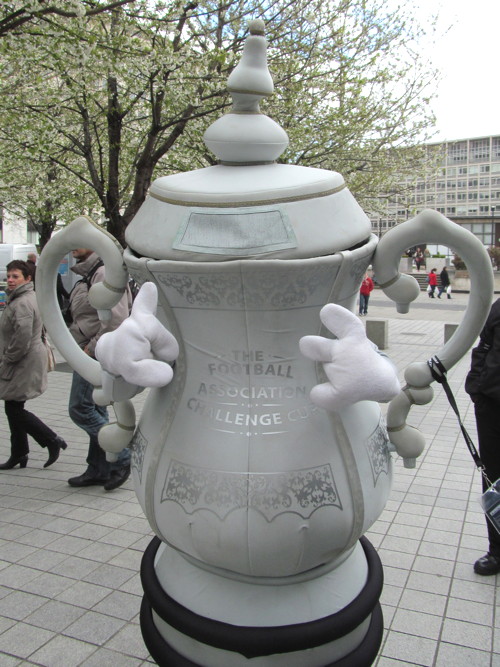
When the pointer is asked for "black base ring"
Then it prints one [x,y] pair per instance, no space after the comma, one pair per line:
[261,641]
[165,656]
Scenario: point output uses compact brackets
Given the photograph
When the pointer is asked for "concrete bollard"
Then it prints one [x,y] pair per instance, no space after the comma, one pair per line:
[449,330]
[378,332]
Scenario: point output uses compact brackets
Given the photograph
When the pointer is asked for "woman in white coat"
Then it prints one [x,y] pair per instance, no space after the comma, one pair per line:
[23,368]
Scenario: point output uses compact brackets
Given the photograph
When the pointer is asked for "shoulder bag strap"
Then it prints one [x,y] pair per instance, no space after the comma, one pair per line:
[438,372]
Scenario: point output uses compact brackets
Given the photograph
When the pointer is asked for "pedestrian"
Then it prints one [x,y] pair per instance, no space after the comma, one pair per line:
[445,283]
[31,262]
[364,294]
[419,258]
[483,386]
[433,281]
[61,293]
[23,368]
[86,328]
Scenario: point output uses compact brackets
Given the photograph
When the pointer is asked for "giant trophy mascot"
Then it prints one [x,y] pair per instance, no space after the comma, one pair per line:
[261,456]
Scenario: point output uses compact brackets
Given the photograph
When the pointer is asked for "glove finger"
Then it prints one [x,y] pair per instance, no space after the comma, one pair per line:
[148,373]
[326,396]
[163,344]
[145,302]
[341,322]
[317,348]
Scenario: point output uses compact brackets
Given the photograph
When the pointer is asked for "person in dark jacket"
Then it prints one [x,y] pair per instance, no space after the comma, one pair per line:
[445,283]
[31,262]
[86,328]
[419,259]
[23,368]
[483,386]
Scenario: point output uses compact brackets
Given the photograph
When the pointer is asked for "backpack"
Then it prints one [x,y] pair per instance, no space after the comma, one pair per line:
[87,279]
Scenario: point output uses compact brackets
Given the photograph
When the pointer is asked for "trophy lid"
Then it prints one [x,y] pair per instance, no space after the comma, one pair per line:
[248,205]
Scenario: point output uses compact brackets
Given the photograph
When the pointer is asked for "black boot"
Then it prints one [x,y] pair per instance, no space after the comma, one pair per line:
[54,451]
[87,479]
[117,477]
[13,461]
[487,565]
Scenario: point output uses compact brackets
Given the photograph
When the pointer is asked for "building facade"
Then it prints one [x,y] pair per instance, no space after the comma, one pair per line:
[15,229]
[463,184]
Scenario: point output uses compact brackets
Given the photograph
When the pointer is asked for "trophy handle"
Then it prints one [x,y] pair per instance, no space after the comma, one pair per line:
[430,227]
[83,233]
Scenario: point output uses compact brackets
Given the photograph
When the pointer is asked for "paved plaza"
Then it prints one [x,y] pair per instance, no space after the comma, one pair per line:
[70,590]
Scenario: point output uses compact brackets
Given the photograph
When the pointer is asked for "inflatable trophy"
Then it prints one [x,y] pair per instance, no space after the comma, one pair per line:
[261,456]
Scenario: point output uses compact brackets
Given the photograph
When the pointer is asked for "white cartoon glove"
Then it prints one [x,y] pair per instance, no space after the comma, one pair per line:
[355,369]
[138,352]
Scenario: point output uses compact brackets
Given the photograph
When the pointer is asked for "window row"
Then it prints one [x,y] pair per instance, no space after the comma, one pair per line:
[474,150]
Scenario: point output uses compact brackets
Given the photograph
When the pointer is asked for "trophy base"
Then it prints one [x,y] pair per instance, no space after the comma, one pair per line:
[176,636]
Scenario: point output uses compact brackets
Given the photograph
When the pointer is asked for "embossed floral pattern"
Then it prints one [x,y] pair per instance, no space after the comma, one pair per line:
[138,446]
[378,452]
[257,289]
[271,494]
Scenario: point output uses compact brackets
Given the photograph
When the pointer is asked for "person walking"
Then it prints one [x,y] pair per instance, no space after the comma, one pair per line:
[31,262]
[364,294]
[86,328]
[419,258]
[433,281]
[483,386]
[23,368]
[444,279]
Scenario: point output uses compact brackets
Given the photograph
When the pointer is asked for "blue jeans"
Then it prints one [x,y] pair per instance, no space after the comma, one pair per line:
[91,417]
[363,303]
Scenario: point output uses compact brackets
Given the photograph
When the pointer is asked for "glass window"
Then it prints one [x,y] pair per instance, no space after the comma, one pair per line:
[462,171]
[451,171]
[485,168]
[450,210]
[451,196]
[482,231]
[461,196]
[457,152]
[461,184]
[472,196]
[495,168]
[473,182]
[451,184]
[484,182]
[461,210]
[479,149]
[495,148]
[472,210]
[474,170]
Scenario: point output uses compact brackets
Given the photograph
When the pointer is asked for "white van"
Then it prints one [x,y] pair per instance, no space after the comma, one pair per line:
[10,251]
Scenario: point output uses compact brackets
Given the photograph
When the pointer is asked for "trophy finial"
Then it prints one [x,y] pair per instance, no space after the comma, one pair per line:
[245,134]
